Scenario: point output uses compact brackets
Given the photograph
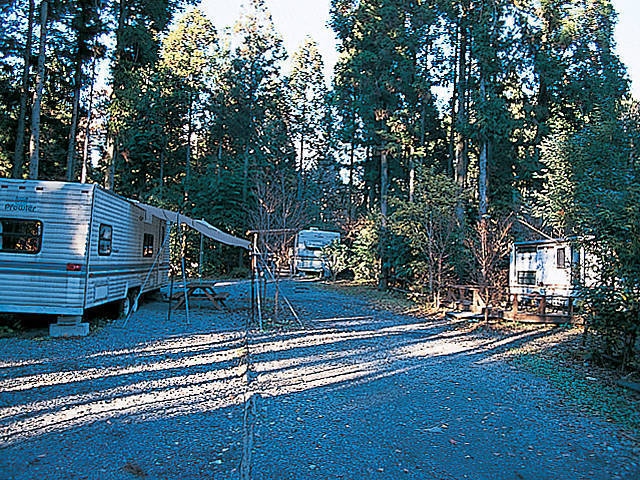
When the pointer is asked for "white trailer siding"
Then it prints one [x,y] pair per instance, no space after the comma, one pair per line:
[69,274]
[549,267]
[308,249]
[125,268]
[42,282]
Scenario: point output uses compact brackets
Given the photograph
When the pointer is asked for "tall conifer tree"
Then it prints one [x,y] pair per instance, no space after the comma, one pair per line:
[253,105]
[308,112]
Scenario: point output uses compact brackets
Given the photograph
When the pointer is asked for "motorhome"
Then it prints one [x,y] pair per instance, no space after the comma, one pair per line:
[67,247]
[308,257]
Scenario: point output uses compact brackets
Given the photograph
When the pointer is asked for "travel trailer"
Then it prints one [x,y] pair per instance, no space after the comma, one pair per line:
[553,267]
[67,247]
[307,255]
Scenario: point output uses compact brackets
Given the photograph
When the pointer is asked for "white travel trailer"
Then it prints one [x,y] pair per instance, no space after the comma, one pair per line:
[552,268]
[308,247]
[67,247]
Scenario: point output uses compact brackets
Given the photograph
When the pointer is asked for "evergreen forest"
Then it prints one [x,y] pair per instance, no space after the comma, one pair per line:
[449,129]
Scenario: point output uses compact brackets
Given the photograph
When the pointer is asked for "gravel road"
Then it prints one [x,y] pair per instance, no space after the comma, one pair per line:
[357,393]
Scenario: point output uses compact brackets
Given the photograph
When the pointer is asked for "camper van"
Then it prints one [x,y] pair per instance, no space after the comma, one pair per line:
[307,255]
[552,267]
[67,247]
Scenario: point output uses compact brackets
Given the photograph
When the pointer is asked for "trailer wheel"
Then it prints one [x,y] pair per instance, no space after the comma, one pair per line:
[129,304]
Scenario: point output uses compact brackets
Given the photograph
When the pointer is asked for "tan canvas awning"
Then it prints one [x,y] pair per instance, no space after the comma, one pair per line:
[201,226]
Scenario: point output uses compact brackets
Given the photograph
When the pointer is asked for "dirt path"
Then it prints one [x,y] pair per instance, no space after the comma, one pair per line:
[358,393]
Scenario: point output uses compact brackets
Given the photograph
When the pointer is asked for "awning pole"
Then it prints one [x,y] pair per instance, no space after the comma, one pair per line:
[172,276]
[184,277]
[254,270]
[201,256]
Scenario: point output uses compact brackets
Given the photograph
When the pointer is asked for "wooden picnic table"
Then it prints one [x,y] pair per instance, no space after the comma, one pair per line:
[198,289]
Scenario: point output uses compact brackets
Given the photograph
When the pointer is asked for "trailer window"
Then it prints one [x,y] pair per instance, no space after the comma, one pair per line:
[147,245]
[527,277]
[20,236]
[105,240]
[561,258]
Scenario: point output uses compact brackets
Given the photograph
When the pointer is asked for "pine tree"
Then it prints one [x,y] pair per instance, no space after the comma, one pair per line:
[252,105]
[87,25]
[18,154]
[34,141]
[137,33]
[188,56]
[308,111]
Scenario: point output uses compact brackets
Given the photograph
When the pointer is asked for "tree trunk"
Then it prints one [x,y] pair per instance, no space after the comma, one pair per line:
[34,144]
[300,169]
[87,130]
[245,176]
[112,134]
[161,179]
[112,152]
[412,178]
[350,212]
[461,149]
[301,165]
[369,199]
[187,179]
[71,149]
[247,161]
[483,199]
[452,105]
[483,174]
[384,187]
[18,154]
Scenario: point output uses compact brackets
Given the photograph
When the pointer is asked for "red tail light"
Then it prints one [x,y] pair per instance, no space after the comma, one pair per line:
[74,267]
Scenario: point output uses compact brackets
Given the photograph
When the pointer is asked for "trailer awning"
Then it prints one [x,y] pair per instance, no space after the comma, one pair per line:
[201,226]
[212,232]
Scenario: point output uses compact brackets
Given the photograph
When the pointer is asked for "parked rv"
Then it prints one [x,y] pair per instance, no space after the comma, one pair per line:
[552,268]
[67,247]
[307,257]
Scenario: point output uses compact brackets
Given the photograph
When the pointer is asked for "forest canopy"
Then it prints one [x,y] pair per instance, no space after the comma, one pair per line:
[440,115]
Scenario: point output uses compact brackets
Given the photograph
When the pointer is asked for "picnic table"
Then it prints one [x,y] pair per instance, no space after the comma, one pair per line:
[199,289]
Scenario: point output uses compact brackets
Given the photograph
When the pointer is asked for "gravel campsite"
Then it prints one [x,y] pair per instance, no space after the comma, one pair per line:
[353,391]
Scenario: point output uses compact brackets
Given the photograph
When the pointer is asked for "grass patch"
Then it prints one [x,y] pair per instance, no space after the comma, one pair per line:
[584,392]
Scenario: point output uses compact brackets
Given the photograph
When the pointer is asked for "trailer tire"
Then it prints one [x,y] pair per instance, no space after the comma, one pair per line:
[129,304]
